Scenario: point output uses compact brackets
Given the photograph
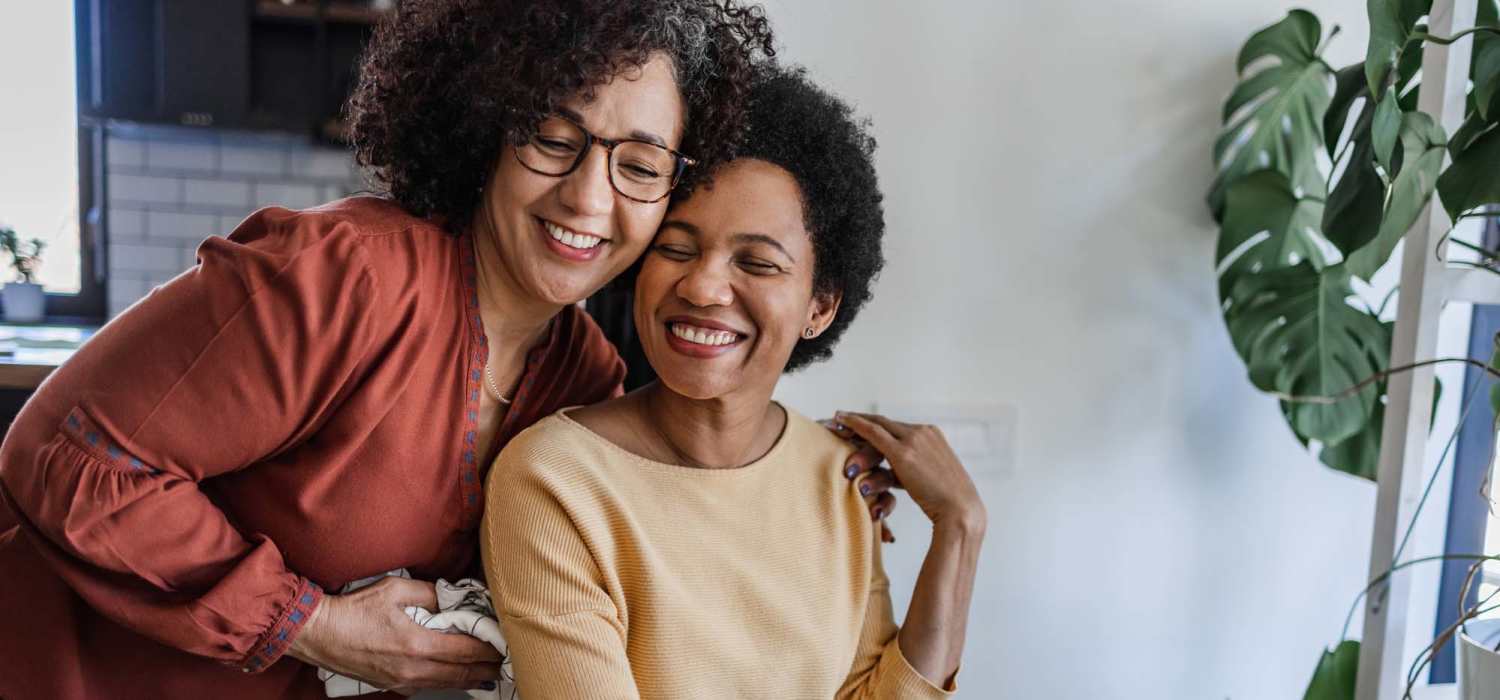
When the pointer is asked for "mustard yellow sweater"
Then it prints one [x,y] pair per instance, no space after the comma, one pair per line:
[619,577]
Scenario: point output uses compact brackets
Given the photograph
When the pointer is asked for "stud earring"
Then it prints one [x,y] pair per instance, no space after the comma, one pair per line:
[809,333]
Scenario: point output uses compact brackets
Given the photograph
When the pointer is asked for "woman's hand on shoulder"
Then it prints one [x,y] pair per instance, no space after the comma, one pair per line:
[923,464]
[367,635]
[875,481]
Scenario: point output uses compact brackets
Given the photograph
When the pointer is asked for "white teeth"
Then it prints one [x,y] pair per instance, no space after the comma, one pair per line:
[702,336]
[581,241]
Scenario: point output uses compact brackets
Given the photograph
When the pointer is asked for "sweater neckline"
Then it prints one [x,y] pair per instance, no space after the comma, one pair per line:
[770,457]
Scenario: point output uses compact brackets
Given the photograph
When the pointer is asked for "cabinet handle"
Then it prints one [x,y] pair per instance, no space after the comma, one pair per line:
[196,119]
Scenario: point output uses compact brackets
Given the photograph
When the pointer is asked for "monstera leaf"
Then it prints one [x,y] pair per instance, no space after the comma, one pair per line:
[1284,294]
[1359,454]
[1335,675]
[1391,25]
[1274,118]
[1471,181]
[1299,335]
[1357,201]
[1263,202]
[1422,149]
[1485,66]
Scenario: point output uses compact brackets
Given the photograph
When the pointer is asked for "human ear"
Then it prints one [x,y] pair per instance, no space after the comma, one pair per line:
[821,310]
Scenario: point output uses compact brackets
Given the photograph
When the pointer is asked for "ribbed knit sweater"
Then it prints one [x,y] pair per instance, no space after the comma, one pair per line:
[620,577]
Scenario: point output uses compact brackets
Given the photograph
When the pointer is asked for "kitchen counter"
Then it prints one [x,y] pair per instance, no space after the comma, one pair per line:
[28,353]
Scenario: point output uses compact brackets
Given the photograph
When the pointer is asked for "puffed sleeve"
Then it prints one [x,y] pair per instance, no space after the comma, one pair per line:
[235,360]
[880,671]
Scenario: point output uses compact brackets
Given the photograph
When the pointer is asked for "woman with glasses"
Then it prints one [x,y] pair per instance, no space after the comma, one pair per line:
[695,539]
[316,401]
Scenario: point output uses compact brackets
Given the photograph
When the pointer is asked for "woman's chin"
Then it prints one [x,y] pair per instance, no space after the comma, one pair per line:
[692,385]
[566,289]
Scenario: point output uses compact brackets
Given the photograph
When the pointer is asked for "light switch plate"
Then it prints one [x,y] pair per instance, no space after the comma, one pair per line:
[983,435]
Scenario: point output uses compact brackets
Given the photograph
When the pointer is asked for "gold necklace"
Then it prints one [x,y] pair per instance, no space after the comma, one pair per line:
[490,380]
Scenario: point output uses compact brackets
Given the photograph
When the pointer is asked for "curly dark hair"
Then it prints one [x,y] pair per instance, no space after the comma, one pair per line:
[816,137]
[445,83]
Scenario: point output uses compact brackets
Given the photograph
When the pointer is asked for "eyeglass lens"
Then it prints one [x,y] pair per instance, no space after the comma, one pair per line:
[637,169]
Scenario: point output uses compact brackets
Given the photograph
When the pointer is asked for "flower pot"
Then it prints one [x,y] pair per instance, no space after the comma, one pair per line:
[1478,662]
[23,301]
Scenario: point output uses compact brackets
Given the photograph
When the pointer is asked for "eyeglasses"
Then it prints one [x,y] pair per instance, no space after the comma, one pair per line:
[641,171]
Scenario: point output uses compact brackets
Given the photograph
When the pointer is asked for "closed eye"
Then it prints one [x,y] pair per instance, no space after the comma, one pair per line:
[672,252]
[760,267]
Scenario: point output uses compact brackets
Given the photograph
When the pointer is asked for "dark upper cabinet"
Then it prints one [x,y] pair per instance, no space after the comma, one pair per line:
[234,63]
[205,56]
[176,61]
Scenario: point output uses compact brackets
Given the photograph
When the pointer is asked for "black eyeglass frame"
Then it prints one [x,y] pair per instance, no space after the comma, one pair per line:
[589,139]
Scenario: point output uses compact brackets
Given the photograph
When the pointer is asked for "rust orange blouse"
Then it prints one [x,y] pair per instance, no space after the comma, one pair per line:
[295,412]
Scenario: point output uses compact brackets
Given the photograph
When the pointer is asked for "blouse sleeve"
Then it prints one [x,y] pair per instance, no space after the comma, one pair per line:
[235,360]
[880,671]
[563,629]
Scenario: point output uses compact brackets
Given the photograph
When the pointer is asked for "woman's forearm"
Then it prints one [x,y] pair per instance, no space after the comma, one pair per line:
[932,637]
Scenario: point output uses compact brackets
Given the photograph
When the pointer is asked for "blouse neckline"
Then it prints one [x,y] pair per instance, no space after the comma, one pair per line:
[470,483]
[770,457]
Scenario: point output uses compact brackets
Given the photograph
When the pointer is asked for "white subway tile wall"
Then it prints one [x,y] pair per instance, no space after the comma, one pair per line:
[170,188]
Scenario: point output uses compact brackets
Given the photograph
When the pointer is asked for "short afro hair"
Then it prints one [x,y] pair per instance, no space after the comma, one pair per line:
[445,84]
[815,136]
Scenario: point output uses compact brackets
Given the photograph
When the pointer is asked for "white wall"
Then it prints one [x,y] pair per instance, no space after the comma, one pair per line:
[1160,534]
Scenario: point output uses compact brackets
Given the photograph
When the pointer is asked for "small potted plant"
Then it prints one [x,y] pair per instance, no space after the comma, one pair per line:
[23,300]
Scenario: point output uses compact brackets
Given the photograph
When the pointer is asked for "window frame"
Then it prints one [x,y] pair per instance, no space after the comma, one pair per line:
[89,304]
[1468,514]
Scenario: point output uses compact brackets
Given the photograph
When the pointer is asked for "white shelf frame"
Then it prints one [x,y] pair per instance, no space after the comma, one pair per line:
[1426,282]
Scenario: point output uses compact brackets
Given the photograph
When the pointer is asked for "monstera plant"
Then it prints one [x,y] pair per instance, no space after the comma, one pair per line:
[1321,171]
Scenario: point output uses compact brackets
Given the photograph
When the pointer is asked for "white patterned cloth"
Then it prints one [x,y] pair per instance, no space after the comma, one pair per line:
[463,608]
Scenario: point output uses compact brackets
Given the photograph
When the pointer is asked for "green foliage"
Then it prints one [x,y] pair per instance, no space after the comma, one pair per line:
[1300,337]
[1293,233]
[1485,69]
[1422,144]
[1335,675]
[24,256]
[1391,25]
[1274,117]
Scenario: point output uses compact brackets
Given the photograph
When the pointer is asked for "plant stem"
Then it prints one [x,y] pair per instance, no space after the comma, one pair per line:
[1380,376]
[1386,300]
[1328,40]
[1383,577]
[1412,525]
[1446,40]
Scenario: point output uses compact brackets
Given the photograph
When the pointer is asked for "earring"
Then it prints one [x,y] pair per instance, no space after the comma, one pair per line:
[809,333]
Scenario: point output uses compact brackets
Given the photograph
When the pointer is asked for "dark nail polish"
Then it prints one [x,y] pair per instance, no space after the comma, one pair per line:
[487,685]
[851,470]
[864,489]
[879,512]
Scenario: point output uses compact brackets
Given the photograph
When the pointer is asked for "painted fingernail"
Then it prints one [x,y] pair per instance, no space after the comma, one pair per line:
[864,489]
[879,512]
[487,685]
[851,470]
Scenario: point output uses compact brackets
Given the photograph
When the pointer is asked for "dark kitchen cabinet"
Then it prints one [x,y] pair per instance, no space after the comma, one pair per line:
[174,61]
[260,64]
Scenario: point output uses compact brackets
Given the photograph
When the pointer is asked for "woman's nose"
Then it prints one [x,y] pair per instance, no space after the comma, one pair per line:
[586,190]
[706,284]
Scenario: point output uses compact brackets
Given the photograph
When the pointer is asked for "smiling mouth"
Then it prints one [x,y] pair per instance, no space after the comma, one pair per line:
[709,337]
[570,238]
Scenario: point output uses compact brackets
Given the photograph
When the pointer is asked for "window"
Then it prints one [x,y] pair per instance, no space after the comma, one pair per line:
[44,178]
[1472,527]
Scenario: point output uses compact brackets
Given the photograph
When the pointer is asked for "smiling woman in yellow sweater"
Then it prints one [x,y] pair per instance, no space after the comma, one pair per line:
[694,538]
